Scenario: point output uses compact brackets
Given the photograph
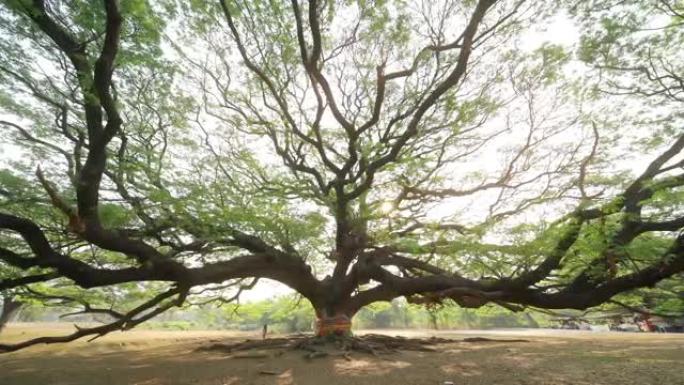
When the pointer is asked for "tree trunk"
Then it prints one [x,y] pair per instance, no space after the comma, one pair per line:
[332,323]
[9,308]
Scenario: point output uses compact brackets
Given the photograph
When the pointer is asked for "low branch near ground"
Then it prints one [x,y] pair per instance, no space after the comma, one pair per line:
[144,312]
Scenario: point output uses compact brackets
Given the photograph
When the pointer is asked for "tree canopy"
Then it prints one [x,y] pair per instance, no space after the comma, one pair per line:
[161,153]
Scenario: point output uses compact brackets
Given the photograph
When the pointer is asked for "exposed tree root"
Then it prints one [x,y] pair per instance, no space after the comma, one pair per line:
[483,339]
[342,346]
[271,343]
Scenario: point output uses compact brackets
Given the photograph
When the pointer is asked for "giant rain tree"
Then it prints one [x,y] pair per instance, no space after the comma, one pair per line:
[356,151]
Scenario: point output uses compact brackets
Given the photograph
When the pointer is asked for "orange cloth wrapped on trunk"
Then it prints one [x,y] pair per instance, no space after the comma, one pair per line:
[338,325]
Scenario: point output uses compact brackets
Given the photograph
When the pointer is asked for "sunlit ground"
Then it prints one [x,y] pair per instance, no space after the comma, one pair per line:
[168,357]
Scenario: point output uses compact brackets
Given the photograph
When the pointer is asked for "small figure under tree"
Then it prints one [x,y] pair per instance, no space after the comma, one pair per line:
[10,307]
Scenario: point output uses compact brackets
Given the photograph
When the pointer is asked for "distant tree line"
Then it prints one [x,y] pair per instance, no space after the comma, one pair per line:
[288,314]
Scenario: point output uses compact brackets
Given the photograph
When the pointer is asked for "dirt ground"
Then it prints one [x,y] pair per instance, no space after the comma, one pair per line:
[164,357]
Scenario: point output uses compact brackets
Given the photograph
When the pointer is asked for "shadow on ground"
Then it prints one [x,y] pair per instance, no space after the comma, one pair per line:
[149,358]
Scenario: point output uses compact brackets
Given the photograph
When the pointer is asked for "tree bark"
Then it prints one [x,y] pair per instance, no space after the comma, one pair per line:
[335,323]
[9,308]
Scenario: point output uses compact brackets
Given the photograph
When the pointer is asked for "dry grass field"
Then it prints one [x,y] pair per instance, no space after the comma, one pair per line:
[163,357]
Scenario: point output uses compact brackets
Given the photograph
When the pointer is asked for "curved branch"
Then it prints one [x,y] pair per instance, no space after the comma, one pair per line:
[125,322]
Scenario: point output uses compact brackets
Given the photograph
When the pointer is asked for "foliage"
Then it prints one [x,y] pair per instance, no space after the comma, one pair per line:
[168,153]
